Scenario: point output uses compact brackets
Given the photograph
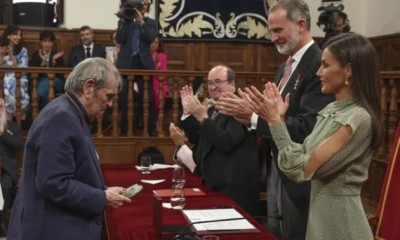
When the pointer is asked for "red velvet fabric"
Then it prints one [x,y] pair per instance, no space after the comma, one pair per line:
[135,220]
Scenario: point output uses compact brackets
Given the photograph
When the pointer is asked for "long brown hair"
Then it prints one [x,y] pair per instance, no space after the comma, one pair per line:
[354,49]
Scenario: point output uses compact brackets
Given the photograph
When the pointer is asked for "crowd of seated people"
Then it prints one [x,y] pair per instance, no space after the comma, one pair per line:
[14,54]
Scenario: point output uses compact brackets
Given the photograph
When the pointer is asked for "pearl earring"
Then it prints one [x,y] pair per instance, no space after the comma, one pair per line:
[346,82]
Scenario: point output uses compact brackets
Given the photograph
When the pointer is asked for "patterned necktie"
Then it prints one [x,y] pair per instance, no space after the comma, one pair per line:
[88,55]
[135,39]
[286,73]
[214,114]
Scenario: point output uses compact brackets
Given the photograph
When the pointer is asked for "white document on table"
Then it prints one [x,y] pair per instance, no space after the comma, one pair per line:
[198,215]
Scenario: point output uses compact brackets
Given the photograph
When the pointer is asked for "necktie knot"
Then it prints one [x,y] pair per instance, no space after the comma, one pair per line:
[88,54]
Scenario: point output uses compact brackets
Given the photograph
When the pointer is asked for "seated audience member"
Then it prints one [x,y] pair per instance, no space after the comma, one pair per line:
[335,157]
[160,63]
[46,56]
[87,49]
[226,150]
[112,56]
[10,142]
[13,54]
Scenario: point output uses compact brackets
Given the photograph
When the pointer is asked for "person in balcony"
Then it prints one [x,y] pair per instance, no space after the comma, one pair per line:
[86,49]
[13,54]
[135,34]
[47,56]
[160,63]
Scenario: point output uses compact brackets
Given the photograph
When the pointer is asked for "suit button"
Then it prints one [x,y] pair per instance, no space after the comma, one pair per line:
[99,222]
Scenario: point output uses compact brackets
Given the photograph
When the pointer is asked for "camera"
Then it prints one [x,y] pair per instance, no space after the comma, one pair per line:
[328,19]
[128,8]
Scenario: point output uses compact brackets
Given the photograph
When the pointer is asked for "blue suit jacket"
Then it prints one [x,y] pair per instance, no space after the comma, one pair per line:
[148,32]
[61,193]
[78,54]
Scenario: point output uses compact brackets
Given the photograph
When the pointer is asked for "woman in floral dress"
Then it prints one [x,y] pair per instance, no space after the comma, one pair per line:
[13,54]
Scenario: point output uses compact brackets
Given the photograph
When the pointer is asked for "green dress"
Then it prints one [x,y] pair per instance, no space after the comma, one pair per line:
[335,211]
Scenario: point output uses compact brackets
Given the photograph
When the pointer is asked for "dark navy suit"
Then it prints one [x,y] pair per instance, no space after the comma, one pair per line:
[62,191]
[78,54]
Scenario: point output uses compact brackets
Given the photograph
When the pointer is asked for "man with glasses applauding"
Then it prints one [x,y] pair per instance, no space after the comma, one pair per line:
[226,151]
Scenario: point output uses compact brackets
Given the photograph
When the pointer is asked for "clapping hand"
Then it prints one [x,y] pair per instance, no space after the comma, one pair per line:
[192,105]
[58,55]
[177,135]
[186,91]
[236,106]
[269,105]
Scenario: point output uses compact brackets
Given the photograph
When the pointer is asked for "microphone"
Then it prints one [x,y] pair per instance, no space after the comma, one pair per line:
[192,235]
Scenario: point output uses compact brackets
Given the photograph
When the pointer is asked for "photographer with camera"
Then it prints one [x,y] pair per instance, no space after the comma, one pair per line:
[135,33]
[333,20]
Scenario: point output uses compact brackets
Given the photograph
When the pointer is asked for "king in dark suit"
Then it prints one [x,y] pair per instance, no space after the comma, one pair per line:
[87,49]
[289,26]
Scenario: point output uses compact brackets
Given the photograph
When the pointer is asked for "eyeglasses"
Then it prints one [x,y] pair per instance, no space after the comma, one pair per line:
[216,83]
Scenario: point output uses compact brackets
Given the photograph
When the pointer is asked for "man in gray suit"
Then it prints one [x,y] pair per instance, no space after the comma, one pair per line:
[10,142]
[289,26]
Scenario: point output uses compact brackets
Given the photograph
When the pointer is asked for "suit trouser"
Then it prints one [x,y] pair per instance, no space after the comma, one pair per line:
[292,226]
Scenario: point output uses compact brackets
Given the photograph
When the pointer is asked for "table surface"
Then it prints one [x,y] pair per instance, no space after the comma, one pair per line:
[135,220]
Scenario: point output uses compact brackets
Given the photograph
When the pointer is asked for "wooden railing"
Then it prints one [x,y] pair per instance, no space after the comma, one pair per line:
[175,79]
[390,87]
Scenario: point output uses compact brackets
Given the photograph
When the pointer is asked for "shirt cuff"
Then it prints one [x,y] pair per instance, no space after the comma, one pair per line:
[253,121]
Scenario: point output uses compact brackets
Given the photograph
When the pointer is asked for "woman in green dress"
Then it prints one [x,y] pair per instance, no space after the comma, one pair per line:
[335,157]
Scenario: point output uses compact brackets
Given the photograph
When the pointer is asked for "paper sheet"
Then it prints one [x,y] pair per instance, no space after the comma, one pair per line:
[160,166]
[217,214]
[152,181]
